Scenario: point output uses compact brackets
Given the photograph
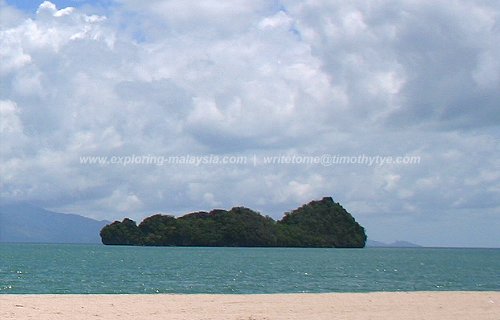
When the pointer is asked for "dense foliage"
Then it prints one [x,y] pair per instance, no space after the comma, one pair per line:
[323,223]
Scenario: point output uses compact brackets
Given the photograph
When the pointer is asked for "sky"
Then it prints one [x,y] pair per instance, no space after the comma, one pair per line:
[217,89]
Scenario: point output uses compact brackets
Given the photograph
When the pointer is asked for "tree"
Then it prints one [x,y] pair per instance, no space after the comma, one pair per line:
[322,223]
[325,223]
[122,233]
[159,230]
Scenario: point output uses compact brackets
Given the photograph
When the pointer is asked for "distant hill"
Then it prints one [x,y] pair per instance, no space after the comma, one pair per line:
[321,223]
[396,244]
[27,223]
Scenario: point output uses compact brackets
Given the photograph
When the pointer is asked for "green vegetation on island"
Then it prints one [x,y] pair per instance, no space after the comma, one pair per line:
[322,223]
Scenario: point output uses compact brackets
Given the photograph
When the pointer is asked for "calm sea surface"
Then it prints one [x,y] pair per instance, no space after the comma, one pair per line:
[37,268]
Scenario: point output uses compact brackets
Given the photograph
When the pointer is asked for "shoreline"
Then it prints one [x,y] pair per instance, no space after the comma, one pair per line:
[373,305]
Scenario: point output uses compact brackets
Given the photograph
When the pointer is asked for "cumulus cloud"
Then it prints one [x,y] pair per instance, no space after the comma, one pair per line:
[418,62]
[254,79]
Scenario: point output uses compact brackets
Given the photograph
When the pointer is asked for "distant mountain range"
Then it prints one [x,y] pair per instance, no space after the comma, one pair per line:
[27,223]
[396,244]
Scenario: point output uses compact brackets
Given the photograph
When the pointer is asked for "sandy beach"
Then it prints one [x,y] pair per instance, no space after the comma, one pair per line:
[380,305]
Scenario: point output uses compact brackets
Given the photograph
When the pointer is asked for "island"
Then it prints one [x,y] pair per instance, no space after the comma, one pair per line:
[321,224]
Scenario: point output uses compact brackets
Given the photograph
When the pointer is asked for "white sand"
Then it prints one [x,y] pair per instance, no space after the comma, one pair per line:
[380,305]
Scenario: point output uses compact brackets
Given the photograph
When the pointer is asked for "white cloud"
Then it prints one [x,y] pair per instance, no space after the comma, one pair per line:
[245,78]
[9,121]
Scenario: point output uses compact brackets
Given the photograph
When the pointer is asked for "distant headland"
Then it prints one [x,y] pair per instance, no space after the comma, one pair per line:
[322,224]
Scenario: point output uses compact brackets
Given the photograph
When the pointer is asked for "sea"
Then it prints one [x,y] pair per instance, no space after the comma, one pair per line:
[99,269]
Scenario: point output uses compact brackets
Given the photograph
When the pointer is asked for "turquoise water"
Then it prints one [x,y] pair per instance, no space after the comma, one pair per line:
[37,268]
